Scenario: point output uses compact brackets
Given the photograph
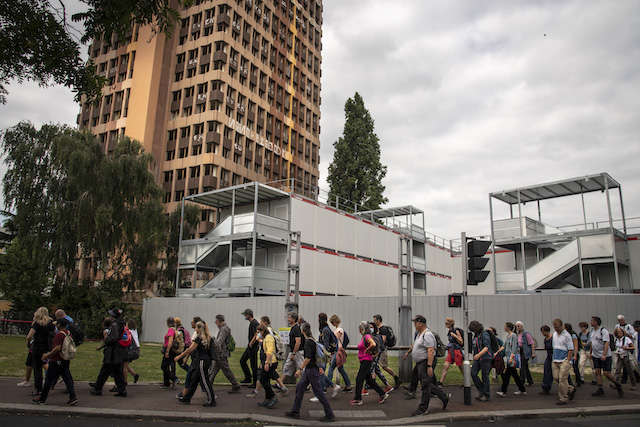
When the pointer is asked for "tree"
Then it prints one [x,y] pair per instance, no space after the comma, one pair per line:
[71,200]
[38,43]
[356,173]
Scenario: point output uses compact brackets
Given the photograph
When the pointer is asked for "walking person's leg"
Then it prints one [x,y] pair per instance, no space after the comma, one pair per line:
[245,367]
[253,356]
[314,380]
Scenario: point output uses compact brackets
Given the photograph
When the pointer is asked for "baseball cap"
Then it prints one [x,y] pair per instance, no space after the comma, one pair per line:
[116,312]
[248,311]
[419,318]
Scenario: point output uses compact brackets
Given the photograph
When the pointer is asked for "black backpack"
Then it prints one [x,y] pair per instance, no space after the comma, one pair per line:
[76,333]
[391,338]
[495,344]
[441,349]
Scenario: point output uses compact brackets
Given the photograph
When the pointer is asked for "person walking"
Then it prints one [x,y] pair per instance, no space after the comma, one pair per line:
[512,359]
[273,373]
[623,348]
[201,350]
[58,367]
[224,333]
[629,332]
[375,365]
[454,348]
[423,351]
[482,357]
[585,348]
[114,357]
[527,347]
[563,348]
[251,352]
[38,337]
[383,360]
[366,349]
[268,364]
[168,366]
[187,343]
[309,374]
[575,361]
[601,356]
[135,341]
[330,343]
[547,378]
[294,360]
[340,335]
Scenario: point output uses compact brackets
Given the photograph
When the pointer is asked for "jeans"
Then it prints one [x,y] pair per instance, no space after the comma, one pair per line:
[56,369]
[168,367]
[364,374]
[428,386]
[484,386]
[311,376]
[332,367]
[325,381]
[547,376]
[525,374]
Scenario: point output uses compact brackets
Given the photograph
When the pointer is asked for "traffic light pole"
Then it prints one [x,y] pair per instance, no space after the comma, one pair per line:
[466,365]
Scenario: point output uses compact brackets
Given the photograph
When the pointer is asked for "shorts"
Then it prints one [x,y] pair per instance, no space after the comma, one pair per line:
[457,357]
[383,361]
[290,367]
[600,364]
[29,361]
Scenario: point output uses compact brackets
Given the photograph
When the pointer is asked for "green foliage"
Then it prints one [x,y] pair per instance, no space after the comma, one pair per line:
[356,173]
[37,43]
[71,200]
[23,277]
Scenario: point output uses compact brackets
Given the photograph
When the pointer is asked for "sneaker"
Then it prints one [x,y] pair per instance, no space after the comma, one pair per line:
[327,418]
[388,389]
[561,402]
[165,387]
[35,393]
[72,401]
[544,392]
[292,414]
[254,394]
[92,385]
[175,382]
[521,393]
[272,403]
[210,404]
[598,392]
[446,402]
[336,389]
[529,384]
[398,382]
[365,392]
[185,401]
[355,402]
[594,382]
[136,377]
[284,391]
[235,390]
[246,381]
[347,390]
[37,401]
[620,391]
[483,398]
[410,395]
[264,403]
[179,395]
[113,389]
[383,398]
[572,394]
[95,392]
[24,384]
[121,394]
[632,387]
[419,412]
[501,393]
[314,399]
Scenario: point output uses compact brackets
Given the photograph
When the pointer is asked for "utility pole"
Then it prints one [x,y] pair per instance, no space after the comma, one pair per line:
[466,365]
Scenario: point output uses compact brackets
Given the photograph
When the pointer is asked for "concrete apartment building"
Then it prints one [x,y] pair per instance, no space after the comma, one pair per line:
[232,97]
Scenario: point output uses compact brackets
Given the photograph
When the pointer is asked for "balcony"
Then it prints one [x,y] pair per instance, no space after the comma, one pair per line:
[223,18]
[248,154]
[231,102]
[212,137]
[201,98]
[216,95]
[193,63]
[244,72]
[188,102]
[241,109]
[258,159]
[235,27]
[184,31]
[179,67]
[205,59]
[208,23]
[179,186]
[210,181]
[117,106]
[166,186]
[237,148]
[246,37]
[226,143]
[171,145]
[224,184]
[220,55]
[264,51]
[195,27]
[233,64]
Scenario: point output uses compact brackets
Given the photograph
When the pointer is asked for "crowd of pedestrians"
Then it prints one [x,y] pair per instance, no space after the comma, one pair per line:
[312,362]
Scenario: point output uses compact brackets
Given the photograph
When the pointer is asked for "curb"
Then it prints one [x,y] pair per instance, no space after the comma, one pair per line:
[21,408]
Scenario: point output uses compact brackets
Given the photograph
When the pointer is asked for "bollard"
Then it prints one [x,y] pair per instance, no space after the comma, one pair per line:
[466,372]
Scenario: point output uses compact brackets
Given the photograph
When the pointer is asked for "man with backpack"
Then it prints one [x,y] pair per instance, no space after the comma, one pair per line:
[114,357]
[58,365]
[601,356]
[423,352]
[224,334]
[251,352]
[388,340]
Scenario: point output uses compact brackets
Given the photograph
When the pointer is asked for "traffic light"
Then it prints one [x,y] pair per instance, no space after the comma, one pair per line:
[476,250]
[455,300]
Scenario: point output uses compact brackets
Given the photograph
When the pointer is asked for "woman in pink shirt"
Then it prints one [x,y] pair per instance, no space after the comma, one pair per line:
[366,348]
[168,365]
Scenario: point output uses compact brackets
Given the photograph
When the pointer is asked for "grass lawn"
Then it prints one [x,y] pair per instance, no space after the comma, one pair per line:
[86,365]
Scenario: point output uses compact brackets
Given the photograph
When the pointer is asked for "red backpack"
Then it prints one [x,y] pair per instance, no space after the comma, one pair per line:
[125,338]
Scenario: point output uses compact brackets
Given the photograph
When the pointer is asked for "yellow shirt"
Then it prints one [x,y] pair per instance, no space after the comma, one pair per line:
[269,346]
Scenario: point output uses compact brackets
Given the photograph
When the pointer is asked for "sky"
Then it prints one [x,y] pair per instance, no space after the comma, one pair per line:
[470,98]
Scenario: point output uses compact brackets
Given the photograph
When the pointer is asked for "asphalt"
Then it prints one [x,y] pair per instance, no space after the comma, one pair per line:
[149,401]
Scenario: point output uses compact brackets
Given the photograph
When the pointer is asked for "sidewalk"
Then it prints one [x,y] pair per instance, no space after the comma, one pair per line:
[147,400]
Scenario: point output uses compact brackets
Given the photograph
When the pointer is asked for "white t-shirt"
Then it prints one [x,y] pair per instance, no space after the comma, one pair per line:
[562,343]
[620,342]
[598,338]
[339,332]
[134,335]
